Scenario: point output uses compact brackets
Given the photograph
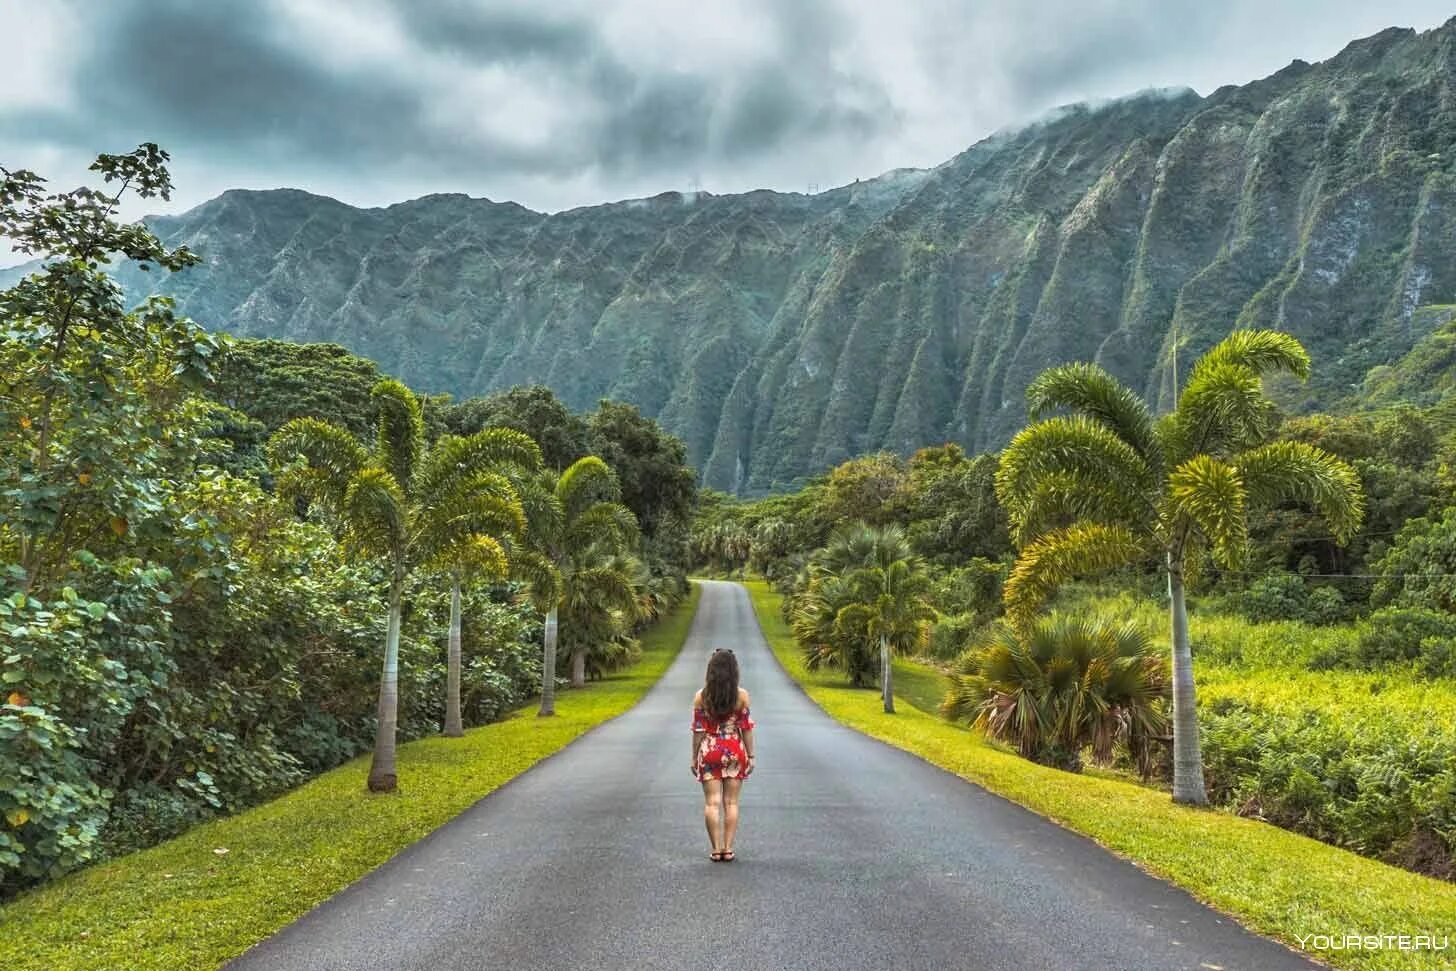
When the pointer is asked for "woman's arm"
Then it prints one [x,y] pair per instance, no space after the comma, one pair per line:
[698,735]
[747,736]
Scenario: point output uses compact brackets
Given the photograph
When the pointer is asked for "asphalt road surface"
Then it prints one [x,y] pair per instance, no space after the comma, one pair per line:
[851,854]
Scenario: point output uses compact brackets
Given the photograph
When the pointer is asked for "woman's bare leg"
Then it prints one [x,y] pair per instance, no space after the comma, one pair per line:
[731,789]
[713,811]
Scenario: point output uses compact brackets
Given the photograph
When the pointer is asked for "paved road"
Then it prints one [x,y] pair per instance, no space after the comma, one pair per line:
[852,854]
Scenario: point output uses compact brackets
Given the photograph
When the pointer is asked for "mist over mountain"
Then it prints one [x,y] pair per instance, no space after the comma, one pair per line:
[780,333]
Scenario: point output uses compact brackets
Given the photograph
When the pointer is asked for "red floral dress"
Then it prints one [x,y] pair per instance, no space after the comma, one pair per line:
[720,753]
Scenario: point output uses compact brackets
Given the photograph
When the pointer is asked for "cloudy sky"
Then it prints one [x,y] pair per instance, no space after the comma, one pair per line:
[559,103]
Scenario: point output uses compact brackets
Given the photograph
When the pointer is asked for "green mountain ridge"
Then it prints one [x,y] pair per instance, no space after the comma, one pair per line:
[780,333]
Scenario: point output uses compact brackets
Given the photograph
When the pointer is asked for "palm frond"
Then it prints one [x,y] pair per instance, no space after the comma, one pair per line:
[478,556]
[1058,556]
[1071,445]
[1211,493]
[1061,497]
[1223,407]
[373,514]
[330,455]
[602,522]
[502,450]
[1300,472]
[1086,389]
[481,504]
[585,481]
[539,573]
[1261,351]
[401,430]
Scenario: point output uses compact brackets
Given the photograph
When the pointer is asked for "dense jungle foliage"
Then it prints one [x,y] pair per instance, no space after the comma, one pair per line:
[177,640]
[1326,678]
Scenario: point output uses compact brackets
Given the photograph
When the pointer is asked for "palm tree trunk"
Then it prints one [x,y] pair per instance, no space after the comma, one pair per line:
[381,770]
[887,675]
[453,726]
[548,667]
[578,669]
[1187,754]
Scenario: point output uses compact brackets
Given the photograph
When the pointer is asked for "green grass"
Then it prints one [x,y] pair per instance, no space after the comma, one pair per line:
[1276,882]
[922,685]
[184,905]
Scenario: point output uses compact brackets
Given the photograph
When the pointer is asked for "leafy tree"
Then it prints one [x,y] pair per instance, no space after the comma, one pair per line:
[414,509]
[950,508]
[1103,485]
[87,385]
[864,489]
[657,484]
[272,381]
[1062,685]
[573,521]
[563,436]
[1419,570]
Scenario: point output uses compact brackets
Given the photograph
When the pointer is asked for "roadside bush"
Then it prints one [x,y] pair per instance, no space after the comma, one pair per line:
[952,634]
[1410,637]
[1371,774]
[1285,596]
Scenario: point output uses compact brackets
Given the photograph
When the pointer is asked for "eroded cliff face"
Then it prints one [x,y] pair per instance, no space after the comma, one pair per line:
[779,333]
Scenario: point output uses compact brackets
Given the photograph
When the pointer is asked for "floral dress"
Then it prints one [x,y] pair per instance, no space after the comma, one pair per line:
[720,753]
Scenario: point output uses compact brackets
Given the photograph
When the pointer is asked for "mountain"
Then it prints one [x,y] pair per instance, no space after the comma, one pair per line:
[779,333]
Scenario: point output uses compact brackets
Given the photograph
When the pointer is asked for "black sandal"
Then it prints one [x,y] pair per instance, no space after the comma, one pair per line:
[716,856]
[728,856]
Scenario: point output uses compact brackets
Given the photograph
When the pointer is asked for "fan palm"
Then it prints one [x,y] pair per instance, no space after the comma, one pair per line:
[865,589]
[1062,685]
[601,608]
[441,510]
[573,519]
[1102,484]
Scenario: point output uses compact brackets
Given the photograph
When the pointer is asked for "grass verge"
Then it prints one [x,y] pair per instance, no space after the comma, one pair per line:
[1276,882]
[187,905]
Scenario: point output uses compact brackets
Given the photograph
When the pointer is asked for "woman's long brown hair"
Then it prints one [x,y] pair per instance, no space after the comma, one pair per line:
[720,687]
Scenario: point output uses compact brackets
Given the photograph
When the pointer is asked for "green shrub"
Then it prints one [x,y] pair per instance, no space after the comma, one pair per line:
[952,634]
[1285,596]
[1362,761]
[1412,637]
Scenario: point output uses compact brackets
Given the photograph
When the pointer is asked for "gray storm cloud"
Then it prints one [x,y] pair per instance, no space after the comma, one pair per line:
[576,102]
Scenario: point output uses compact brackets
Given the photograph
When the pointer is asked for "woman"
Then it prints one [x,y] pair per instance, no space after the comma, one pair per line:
[722,750]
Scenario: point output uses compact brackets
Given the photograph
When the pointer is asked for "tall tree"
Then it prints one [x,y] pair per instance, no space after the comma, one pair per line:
[572,519]
[468,468]
[1103,484]
[656,482]
[563,436]
[87,385]
[410,508]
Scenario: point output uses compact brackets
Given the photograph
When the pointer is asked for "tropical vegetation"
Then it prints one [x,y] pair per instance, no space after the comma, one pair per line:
[1323,654]
[1275,881]
[1104,485]
[200,900]
[228,566]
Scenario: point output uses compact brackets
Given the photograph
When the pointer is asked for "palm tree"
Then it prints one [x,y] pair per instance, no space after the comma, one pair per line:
[601,607]
[480,464]
[1103,484]
[571,520]
[867,587]
[1062,685]
[413,509]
